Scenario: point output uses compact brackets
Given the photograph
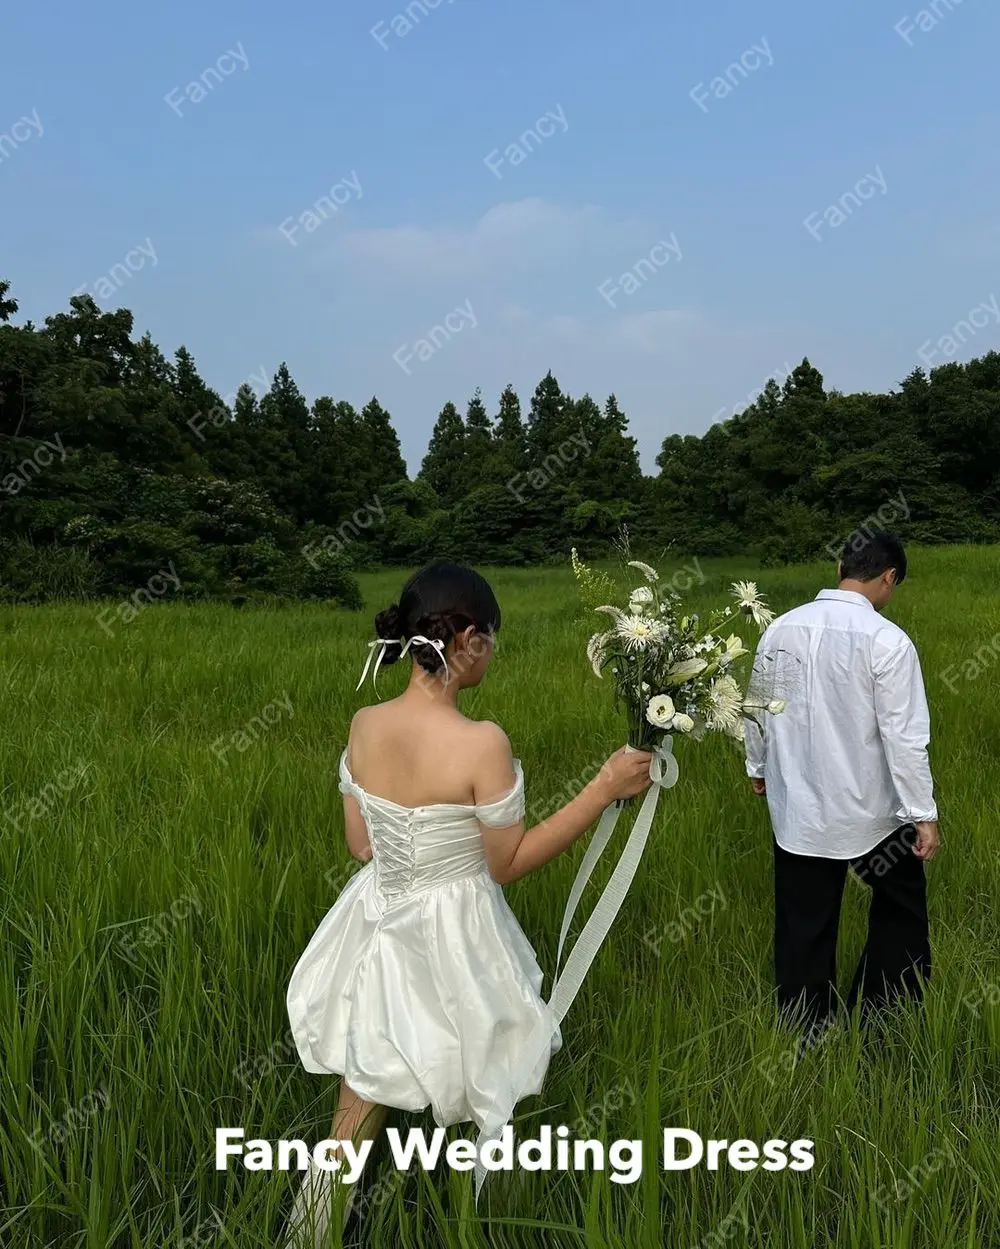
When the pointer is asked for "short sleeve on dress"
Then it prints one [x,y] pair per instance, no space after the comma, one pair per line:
[506,810]
[347,785]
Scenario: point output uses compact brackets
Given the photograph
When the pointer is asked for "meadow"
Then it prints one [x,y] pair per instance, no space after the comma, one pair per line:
[172,833]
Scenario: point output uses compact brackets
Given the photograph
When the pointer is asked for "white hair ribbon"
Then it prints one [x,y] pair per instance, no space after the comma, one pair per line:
[404,644]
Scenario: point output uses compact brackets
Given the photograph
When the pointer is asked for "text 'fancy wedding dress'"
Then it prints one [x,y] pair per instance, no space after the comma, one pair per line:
[419,986]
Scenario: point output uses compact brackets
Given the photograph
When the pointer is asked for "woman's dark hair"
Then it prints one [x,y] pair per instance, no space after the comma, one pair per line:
[440,600]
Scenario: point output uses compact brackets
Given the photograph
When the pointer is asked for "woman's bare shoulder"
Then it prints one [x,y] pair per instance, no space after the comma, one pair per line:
[452,733]
[368,722]
[488,741]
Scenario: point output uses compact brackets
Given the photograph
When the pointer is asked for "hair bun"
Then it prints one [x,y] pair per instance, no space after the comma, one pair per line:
[435,626]
[389,626]
[388,623]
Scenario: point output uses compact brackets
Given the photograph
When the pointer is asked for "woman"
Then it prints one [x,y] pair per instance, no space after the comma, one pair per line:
[419,986]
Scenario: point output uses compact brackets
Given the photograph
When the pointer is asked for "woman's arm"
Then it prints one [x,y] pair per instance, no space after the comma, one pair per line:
[356,830]
[514,851]
[354,822]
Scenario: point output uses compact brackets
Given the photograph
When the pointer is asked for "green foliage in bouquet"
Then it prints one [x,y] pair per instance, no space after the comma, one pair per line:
[595,585]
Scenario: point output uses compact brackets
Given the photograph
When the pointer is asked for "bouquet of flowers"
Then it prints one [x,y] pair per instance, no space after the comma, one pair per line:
[673,672]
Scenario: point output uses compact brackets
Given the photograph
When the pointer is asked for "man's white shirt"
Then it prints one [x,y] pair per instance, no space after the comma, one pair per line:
[845,763]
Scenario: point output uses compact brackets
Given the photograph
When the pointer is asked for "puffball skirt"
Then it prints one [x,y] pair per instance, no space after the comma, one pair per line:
[418,986]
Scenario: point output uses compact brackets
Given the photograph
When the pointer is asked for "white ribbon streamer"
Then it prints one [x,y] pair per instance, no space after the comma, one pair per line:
[404,643]
[663,772]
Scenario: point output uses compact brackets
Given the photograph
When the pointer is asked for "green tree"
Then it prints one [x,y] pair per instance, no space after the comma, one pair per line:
[550,420]
[444,466]
[510,447]
[8,307]
[479,463]
[340,463]
[384,463]
[287,446]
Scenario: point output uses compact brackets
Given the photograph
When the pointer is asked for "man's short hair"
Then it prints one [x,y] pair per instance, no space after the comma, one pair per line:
[867,555]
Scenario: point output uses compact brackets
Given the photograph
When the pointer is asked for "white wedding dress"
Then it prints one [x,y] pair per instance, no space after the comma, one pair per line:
[419,986]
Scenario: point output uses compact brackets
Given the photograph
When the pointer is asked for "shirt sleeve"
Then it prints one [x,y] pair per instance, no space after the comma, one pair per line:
[754,743]
[905,728]
[755,747]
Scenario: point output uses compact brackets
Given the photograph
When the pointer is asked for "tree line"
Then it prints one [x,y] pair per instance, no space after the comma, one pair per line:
[117,463]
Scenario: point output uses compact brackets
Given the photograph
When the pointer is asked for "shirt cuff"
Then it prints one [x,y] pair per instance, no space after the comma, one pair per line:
[918,815]
[756,772]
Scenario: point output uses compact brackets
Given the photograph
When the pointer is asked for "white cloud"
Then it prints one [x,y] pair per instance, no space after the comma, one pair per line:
[509,239]
[666,328]
[531,270]
[645,332]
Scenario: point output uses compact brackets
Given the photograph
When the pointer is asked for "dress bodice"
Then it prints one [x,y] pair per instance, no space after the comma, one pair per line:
[417,848]
[419,986]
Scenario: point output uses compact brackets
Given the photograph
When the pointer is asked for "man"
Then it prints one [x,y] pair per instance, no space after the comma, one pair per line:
[847,780]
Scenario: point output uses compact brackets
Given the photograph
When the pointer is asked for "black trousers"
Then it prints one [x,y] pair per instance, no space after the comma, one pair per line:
[808,892]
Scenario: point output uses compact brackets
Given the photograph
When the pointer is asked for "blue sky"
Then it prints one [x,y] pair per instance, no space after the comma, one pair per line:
[803,107]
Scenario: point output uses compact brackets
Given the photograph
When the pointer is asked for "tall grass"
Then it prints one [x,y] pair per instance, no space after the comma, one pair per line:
[157,892]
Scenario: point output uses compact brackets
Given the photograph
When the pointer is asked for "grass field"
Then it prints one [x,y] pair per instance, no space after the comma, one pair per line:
[172,834]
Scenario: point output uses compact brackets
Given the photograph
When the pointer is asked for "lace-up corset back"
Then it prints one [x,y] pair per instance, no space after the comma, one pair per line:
[416,848]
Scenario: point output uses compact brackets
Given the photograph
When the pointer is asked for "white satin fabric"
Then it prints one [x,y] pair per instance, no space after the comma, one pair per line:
[419,986]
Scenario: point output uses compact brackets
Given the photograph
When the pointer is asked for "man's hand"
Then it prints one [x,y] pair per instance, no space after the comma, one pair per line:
[757,783]
[928,842]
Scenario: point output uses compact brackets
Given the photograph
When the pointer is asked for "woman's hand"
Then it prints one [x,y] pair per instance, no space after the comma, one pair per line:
[625,774]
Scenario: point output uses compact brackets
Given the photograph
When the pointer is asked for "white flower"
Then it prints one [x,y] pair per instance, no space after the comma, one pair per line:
[685,670]
[640,599]
[738,730]
[725,712]
[751,604]
[775,707]
[734,649]
[661,713]
[595,650]
[649,573]
[615,612]
[638,632]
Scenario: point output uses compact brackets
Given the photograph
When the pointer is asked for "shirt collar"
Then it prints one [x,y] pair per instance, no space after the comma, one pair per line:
[846,596]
